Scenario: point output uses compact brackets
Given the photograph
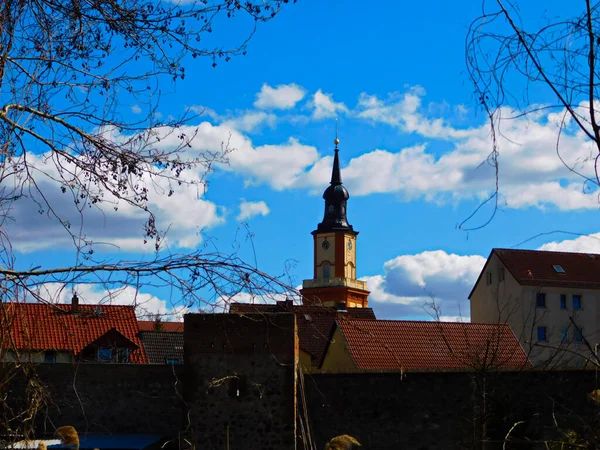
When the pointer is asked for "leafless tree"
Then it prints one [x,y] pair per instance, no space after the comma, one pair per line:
[511,58]
[68,71]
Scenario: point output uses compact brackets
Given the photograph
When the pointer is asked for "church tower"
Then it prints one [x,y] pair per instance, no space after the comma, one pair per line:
[334,282]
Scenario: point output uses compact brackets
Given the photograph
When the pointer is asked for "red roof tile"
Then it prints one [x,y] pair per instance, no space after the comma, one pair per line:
[314,322]
[166,327]
[38,326]
[534,267]
[422,346]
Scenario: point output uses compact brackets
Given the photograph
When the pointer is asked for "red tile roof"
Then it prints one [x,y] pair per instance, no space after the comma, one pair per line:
[166,327]
[534,267]
[39,326]
[430,346]
[314,322]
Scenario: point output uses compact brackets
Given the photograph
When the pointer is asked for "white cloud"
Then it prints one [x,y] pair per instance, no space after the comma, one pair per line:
[251,120]
[280,166]
[146,305]
[110,224]
[248,210]
[411,282]
[531,175]
[283,96]
[404,112]
[325,107]
[136,109]
[581,244]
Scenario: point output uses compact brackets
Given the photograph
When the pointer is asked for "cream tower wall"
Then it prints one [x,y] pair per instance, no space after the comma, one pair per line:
[328,255]
[324,256]
[350,256]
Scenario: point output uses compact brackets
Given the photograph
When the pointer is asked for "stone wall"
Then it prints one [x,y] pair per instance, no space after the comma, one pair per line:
[447,410]
[105,398]
[239,383]
[241,380]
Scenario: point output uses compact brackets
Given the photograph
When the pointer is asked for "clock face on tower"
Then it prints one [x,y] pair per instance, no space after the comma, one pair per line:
[349,245]
[325,244]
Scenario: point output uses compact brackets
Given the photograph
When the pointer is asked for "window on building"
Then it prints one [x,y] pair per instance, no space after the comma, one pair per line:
[564,335]
[576,301]
[488,277]
[540,300]
[558,268]
[541,334]
[501,274]
[326,271]
[578,336]
[563,301]
[123,355]
[173,361]
[49,357]
[105,354]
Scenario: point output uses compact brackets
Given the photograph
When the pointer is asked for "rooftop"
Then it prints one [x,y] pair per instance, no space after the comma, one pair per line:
[41,326]
[163,347]
[423,346]
[560,269]
[314,322]
[167,327]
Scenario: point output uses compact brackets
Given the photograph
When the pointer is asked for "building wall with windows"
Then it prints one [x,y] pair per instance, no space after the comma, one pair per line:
[39,357]
[556,326]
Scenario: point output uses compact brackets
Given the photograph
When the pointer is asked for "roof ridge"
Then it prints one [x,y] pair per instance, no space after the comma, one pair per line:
[542,251]
[425,321]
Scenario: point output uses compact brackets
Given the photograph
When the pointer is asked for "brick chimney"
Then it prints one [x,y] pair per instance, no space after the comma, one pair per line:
[74,303]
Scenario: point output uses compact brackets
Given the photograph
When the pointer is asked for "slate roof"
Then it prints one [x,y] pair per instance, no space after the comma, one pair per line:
[39,326]
[314,322]
[167,327]
[162,345]
[431,346]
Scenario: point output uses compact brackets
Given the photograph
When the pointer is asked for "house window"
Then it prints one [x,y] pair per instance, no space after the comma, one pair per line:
[564,335]
[576,301]
[540,300]
[123,355]
[488,277]
[173,361]
[578,336]
[563,301]
[49,357]
[501,274]
[558,268]
[104,354]
[326,271]
[541,334]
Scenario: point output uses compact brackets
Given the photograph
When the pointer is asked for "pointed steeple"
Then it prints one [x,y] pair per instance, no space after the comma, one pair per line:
[336,174]
[336,196]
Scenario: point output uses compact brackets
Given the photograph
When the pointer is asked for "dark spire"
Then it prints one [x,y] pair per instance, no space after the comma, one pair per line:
[336,174]
[336,196]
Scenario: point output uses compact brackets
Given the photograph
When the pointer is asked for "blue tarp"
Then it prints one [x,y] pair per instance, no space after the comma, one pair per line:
[115,441]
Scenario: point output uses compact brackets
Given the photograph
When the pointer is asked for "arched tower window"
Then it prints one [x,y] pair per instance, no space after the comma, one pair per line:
[326,271]
[350,271]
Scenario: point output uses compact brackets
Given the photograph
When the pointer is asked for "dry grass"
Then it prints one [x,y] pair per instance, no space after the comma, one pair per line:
[68,435]
[343,442]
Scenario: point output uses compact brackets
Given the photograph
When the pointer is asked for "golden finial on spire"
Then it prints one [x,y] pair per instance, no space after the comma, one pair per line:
[336,141]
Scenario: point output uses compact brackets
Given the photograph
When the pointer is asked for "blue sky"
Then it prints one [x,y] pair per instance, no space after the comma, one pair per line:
[413,150]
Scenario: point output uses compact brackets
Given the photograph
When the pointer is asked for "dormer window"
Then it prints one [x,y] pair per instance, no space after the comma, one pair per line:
[49,356]
[123,355]
[558,268]
[104,354]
